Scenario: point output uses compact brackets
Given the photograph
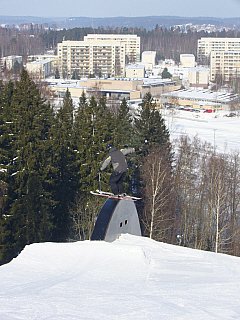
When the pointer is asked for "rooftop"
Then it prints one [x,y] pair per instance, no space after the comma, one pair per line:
[204,95]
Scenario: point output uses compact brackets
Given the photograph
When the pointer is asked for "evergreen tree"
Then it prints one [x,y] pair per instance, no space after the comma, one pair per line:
[93,131]
[150,128]
[166,74]
[66,168]
[6,93]
[123,128]
[30,201]
[150,133]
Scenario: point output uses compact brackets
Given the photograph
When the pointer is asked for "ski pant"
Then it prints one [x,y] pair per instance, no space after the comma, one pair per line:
[116,182]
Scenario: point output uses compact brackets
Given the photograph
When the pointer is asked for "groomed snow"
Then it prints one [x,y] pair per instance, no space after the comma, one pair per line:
[130,278]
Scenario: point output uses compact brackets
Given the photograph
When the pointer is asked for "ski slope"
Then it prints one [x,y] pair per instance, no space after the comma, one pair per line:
[130,278]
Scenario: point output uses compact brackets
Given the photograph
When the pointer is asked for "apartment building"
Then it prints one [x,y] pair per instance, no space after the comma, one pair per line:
[131,43]
[149,59]
[207,45]
[225,65]
[10,61]
[187,60]
[198,77]
[40,69]
[97,55]
[223,55]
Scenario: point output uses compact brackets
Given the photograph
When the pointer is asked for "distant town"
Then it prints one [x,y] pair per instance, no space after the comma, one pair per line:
[117,67]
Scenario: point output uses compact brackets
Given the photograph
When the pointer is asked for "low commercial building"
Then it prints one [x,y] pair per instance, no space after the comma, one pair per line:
[204,99]
[131,89]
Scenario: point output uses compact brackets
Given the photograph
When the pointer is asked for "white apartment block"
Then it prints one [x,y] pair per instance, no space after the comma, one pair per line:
[187,60]
[98,55]
[130,41]
[225,64]
[40,69]
[9,61]
[207,45]
[149,59]
[198,77]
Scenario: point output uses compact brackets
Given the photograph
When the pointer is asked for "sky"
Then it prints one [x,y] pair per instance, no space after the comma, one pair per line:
[131,278]
[111,8]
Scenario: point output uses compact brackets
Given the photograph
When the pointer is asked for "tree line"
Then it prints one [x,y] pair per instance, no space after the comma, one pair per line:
[50,159]
[168,43]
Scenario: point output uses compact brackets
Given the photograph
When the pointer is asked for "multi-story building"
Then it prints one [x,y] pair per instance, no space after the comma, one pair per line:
[131,43]
[98,55]
[207,45]
[149,59]
[223,55]
[10,61]
[198,77]
[187,60]
[225,65]
[40,69]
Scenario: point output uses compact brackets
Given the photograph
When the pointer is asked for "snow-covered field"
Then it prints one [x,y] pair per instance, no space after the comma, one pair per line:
[221,131]
[130,278]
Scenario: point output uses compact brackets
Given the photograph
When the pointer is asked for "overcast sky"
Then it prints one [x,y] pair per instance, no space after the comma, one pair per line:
[127,8]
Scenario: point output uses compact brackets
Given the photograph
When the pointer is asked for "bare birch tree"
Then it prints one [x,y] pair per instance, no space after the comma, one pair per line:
[158,191]
[83,215]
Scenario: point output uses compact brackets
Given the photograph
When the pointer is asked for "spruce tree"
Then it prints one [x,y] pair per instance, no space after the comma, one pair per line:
[66,168]
[29,197]
[123,128]
[6,92]
[150,133]
[150,129]
[93,131]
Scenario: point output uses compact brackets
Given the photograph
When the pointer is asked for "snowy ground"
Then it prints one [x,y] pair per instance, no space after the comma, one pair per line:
[221,131]
[130,278]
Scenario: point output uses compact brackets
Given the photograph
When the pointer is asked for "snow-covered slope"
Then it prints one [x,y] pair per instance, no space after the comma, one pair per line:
[217,128]
[130,278]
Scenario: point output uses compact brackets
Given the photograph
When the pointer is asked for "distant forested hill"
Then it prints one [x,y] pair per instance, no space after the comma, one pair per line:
[148,22]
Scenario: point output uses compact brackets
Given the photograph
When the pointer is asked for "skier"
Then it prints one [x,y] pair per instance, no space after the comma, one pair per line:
[119,164]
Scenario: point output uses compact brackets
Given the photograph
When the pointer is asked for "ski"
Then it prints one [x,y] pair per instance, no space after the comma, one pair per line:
[114,196]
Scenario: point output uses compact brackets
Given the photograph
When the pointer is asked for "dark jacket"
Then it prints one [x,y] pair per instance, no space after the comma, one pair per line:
[117,158]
